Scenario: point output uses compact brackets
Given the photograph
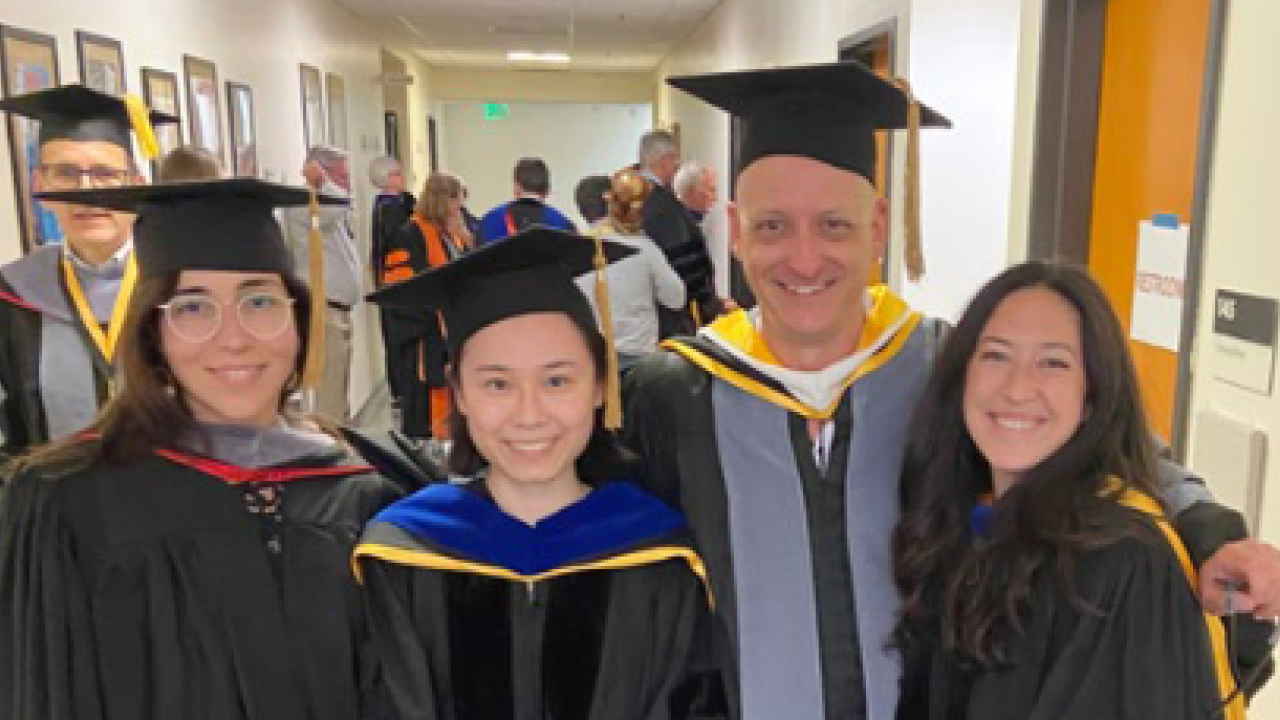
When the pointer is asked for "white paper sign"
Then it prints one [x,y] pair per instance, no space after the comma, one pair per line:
[1158,285]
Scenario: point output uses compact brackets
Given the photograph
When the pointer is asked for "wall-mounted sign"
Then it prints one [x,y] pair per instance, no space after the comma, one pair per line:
[1244,340]
[1158,282]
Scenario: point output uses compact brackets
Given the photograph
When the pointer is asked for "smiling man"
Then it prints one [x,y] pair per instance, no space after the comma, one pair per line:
[61,308]
[779,432]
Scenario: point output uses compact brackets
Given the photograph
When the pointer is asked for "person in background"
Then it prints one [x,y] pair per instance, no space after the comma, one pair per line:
[62,306]
[589,196]
[189,555]
[187,163]
[327,170]
[695,185]
[541,582]
[532,185]
[1039,571]
[414,347]
[391,209]
[638,284]
[671,226]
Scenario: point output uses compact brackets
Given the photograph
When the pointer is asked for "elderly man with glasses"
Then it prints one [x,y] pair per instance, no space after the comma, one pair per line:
[61,308]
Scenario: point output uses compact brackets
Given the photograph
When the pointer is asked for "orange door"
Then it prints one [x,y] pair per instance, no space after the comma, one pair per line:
[1148,116]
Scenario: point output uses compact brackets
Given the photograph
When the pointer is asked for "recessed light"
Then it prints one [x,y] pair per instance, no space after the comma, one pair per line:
[541,57]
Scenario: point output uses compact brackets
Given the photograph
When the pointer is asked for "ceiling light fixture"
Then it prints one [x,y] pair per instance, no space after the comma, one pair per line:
[540,57]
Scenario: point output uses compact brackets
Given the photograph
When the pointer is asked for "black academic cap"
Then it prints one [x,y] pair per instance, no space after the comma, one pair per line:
[531,271]
[75,112]
[207,225]
[825,112]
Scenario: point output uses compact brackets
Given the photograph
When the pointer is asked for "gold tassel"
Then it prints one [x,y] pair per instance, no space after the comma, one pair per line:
[140,119]
[313,368]
[612,381]
[912,246]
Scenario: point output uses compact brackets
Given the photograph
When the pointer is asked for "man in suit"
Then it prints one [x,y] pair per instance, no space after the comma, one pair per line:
[666,220]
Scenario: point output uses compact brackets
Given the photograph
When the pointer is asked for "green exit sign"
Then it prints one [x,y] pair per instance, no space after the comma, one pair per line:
[496,111]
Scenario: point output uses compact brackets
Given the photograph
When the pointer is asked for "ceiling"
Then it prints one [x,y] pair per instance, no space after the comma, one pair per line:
[611,35]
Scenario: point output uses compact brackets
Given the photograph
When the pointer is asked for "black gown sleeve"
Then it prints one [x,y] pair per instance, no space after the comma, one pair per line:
[652,391]
[48,668]
[1137,649]
[405,664]
[691,687]
[1204,528]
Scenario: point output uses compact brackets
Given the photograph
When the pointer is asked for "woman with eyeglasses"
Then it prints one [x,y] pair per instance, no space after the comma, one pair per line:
[188,556]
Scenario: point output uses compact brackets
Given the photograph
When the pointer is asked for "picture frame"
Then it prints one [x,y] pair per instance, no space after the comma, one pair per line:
[244,146]
[28,62]
[204,108]
[160,92]
[313,109]
[391,133]
[335,93]
[101,62]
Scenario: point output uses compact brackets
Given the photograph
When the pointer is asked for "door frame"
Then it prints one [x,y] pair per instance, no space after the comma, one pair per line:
[1072,40]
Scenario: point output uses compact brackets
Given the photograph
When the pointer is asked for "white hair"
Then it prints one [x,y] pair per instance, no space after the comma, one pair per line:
[380,168]
[688,177]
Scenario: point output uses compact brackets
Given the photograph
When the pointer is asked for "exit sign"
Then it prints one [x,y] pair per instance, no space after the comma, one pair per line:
[496,111]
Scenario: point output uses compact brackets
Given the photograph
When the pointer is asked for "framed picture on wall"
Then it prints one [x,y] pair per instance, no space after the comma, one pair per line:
[28,62]
[336,93]
[244,146]
[313,110]
[204,110]
[160,92]
[101,62]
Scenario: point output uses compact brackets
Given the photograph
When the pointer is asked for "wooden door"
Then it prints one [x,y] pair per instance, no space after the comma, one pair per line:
[1148,117]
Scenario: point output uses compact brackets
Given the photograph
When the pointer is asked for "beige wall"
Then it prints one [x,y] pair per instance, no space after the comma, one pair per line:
[974,60]
[541,86]
[1242,240]
[263,53]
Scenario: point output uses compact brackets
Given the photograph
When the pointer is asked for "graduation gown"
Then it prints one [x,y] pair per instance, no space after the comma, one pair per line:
[595,613]
[186,587]
[666,220]
[797,550]
[53,378]
[1143,654]
[414,346]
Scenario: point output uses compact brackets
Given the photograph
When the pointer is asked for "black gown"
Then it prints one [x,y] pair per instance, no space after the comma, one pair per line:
[1144,654]
[183,587]
[26,372]
[592,613]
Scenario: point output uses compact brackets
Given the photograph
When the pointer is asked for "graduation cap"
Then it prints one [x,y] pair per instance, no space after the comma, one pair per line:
[216,225]
[825,112]
[531,271]
[75,112]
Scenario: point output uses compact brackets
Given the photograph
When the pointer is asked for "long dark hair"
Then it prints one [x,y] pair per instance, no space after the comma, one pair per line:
[603,456]
[971,595]
[150,411]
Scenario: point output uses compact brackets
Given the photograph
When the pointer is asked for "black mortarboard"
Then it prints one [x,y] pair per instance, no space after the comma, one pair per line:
[207,225]
[224,225]
[825,112]
[531,271]
[75,112]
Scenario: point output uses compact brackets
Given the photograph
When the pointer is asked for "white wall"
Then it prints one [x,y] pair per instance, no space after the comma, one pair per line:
[574,139]
[249,41]
[1242,240]
[963,57]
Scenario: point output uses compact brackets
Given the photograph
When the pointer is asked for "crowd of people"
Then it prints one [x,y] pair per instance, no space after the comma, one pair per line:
[654,503]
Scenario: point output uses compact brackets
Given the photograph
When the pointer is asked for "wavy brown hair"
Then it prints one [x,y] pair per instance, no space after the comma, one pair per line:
[150,411]
[971,594]
[433,202]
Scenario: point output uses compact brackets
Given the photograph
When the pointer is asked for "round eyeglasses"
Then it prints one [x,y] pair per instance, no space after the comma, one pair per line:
[197,317]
